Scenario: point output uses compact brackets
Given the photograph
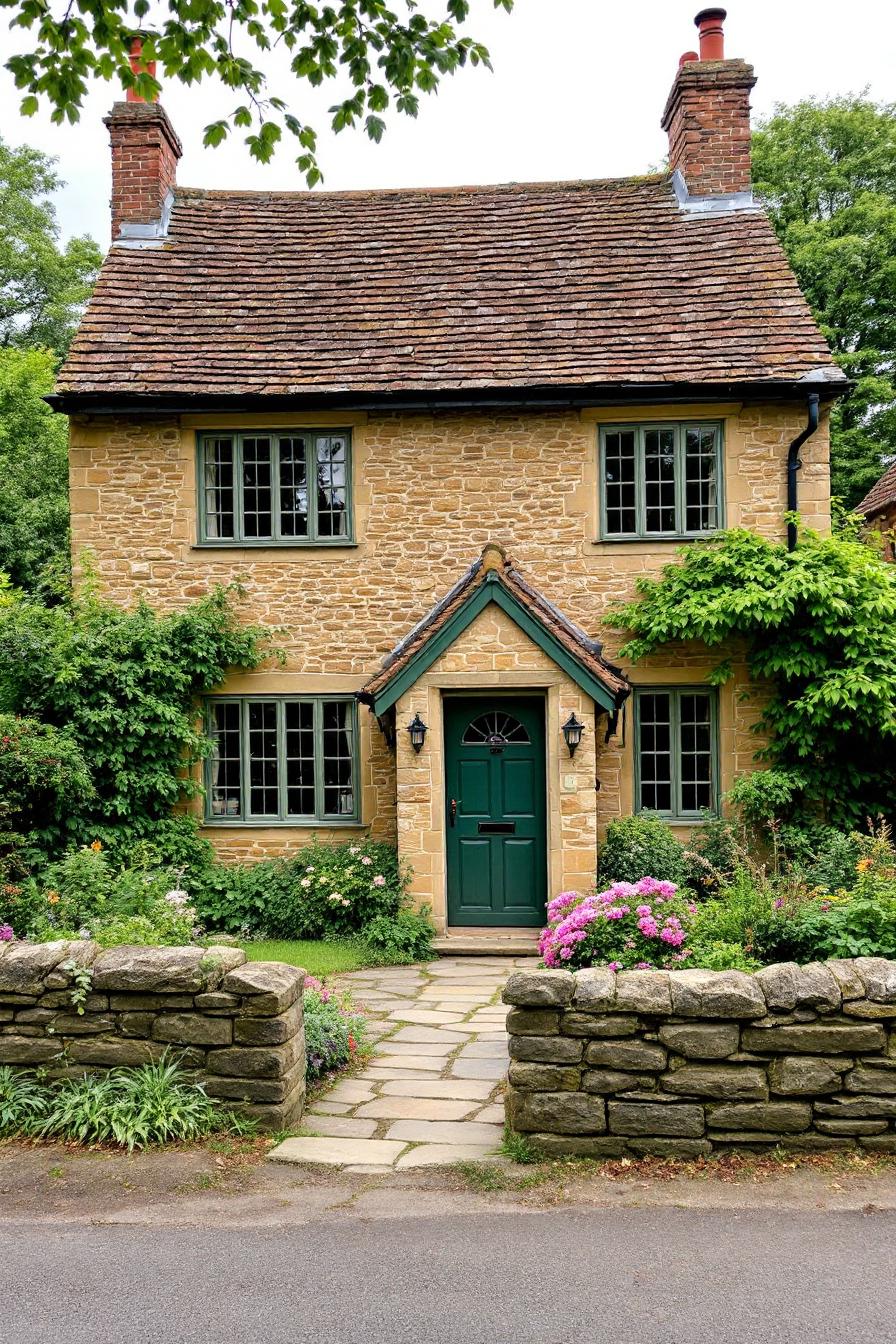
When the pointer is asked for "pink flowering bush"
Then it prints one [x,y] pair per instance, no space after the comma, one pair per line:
[631,925]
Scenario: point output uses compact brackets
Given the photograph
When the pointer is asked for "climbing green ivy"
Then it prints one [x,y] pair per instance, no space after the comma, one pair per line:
[819,626]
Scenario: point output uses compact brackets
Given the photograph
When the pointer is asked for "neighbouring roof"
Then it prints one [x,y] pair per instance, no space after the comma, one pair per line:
[543,285]
[494,578]
[882,494]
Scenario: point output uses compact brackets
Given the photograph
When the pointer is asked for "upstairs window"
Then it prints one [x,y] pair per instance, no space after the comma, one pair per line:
[287,488]
[660,480]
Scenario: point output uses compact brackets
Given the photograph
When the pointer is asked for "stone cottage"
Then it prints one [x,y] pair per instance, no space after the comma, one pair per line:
[436,434]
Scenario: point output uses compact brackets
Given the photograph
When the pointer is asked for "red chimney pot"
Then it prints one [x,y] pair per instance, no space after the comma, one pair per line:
[687,56]
[712,34]
[139,67]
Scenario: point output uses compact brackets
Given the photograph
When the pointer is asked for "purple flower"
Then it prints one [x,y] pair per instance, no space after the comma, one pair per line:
[779,903]
[6,933]
[614,966]
[644,910]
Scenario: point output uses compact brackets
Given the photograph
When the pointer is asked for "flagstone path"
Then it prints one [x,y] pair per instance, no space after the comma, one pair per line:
[431,1094]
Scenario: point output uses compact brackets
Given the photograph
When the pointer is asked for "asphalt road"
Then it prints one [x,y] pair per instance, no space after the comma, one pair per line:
[630,1276]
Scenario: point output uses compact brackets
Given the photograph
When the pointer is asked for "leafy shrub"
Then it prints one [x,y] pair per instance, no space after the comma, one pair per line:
[43,777]
[644,924]
[134,1108]
[124,685]
[741,907]
[334,1030]
[402,938]
[85,895]
[234,897]
[325,891]
[638,845]
[833,866]
[712,855]
[718,955]
[23,1102]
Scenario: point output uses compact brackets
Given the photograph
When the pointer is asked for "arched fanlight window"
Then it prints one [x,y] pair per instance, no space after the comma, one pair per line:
[494,729]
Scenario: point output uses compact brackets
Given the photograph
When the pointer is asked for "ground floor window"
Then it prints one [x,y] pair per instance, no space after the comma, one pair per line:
[676,745]
[282,759]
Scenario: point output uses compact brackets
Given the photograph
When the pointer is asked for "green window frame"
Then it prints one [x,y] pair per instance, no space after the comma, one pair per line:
[661,480]
[253,487]
[287,760]
[677,751]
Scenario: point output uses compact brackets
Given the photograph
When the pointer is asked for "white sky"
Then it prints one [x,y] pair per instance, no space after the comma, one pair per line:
[577,92]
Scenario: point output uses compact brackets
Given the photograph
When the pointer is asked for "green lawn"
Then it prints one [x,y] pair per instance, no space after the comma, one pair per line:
[318,958]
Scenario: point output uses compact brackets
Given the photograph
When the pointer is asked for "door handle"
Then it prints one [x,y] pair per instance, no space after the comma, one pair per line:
[452,811]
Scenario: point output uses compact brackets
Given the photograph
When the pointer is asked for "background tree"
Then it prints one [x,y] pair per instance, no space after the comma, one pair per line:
[33,475]
[827,170]
[42,285]
[43,288]
[382,58]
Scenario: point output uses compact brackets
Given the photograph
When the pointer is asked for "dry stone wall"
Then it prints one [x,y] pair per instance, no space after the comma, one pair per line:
[605,1064]
[236,1026]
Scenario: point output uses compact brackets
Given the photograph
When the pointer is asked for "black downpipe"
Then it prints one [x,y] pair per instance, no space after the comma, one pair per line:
[794,463]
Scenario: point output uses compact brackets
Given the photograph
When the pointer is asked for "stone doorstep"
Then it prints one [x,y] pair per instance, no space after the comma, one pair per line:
[337,1126]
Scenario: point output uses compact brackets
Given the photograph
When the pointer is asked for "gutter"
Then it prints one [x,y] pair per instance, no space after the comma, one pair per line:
[427,401]
[794,463]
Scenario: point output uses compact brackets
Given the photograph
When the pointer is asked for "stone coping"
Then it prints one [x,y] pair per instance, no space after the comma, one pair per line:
[862,987]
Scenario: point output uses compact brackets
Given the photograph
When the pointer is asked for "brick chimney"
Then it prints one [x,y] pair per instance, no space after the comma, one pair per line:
[707,115]
[145,151]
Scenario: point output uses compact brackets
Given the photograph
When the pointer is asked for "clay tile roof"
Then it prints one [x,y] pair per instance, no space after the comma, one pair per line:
[881,495]
[540,285]
[493,566]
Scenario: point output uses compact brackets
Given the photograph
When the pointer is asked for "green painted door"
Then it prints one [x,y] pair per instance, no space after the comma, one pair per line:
[496,820]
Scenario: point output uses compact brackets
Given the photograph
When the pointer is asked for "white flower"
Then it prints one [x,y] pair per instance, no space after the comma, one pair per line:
[305,882]
[379,880]
[353,849]
[177,898]
[366,860]
[309,868]
[345,902]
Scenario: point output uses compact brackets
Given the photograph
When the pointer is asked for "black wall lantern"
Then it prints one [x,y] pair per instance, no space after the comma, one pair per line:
[417,730]
[572,732]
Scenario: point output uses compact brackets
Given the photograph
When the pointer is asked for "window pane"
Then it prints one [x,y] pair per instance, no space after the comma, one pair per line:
[263,799]
[701,480]
[619,482]
[225,764]
[299,762]
[218,486]
[257,487]
[338,758]
[293,488]
[696,752]
[659,480]
[332,514]
[654,733]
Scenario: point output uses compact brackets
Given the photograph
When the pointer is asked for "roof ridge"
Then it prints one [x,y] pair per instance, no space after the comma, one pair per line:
[469,189]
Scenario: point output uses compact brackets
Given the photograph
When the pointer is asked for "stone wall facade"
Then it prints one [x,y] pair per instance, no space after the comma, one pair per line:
[690,1062]
[235,1026]
[430,491]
